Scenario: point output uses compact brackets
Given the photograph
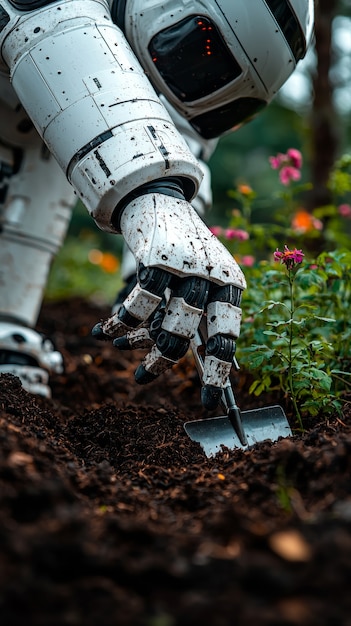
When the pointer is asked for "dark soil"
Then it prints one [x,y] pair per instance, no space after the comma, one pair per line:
[111,516]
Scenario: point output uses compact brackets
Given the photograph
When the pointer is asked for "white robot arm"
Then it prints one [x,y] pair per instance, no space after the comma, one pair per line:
[93,98]
[92,104]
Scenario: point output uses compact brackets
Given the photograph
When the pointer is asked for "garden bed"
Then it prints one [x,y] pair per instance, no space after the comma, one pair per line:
[110,515]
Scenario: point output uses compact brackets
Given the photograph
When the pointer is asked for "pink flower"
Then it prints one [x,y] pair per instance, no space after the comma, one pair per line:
[344,210]
[248,260]
[236,233]
[277,161]
[318,224]
[216,230]
[289,165]
[289,173]
[295,157]
[290,258]
[249,320]
[277,255]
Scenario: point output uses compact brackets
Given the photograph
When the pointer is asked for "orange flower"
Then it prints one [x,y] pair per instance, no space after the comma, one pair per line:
[303,222]
[107,261]
[95,256]
[245,190]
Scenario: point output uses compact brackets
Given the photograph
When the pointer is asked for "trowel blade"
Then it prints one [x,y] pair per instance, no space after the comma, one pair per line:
[259,425]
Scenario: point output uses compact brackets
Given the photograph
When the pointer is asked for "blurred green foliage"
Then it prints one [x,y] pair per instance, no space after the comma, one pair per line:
[74,274]
[242,157]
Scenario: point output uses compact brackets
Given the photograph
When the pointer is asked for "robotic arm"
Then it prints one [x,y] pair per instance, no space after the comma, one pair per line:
[93,98]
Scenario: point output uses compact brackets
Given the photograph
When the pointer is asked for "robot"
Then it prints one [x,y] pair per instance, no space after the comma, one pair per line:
[120,104]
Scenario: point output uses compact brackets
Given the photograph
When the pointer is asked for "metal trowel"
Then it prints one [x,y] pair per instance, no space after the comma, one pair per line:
[235,429]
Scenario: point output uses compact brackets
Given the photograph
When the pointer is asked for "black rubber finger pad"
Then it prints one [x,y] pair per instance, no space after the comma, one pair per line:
[98,333]
[143,377]
[210,396]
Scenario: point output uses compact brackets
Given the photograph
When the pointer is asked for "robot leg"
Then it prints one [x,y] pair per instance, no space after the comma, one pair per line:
[34,218]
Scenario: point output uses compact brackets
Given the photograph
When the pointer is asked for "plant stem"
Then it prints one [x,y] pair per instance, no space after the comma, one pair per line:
[290,357]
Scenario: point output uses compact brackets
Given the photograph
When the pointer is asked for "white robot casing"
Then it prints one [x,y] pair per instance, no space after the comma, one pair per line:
[96,111]
[220,62]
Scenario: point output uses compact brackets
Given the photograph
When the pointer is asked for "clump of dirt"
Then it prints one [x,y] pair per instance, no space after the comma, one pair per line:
[111,515]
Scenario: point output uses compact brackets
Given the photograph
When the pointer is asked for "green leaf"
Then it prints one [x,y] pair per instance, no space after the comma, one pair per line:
[324,380]
[325,319]
[273,334]
[271,304]
[333,371]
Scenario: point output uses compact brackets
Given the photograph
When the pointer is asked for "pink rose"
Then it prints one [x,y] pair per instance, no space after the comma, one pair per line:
[344,210]
[216,230]
[289,173]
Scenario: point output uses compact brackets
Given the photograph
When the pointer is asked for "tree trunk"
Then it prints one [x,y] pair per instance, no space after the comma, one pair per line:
[324,127]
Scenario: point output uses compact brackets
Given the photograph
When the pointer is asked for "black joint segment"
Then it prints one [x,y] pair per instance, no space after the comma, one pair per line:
[170,346]
[211,396]
[169,186]
[121,343]
[99,334]
[4,18]
[153,279]
[17,358]
[222,348]
[118,13]
[228,293]
[193,290]
[143,377]
[126,318]
[156,324]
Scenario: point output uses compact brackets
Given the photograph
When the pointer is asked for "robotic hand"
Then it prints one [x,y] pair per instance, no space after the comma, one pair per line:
[184,273]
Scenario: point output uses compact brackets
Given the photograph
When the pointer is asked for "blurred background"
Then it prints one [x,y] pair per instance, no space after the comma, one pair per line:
[312,114]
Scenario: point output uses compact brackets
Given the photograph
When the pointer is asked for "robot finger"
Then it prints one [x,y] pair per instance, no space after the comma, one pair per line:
[135,340]
[155,363]
[135,310]
[174,327]
[138,307]
[144,336]
[223,328]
